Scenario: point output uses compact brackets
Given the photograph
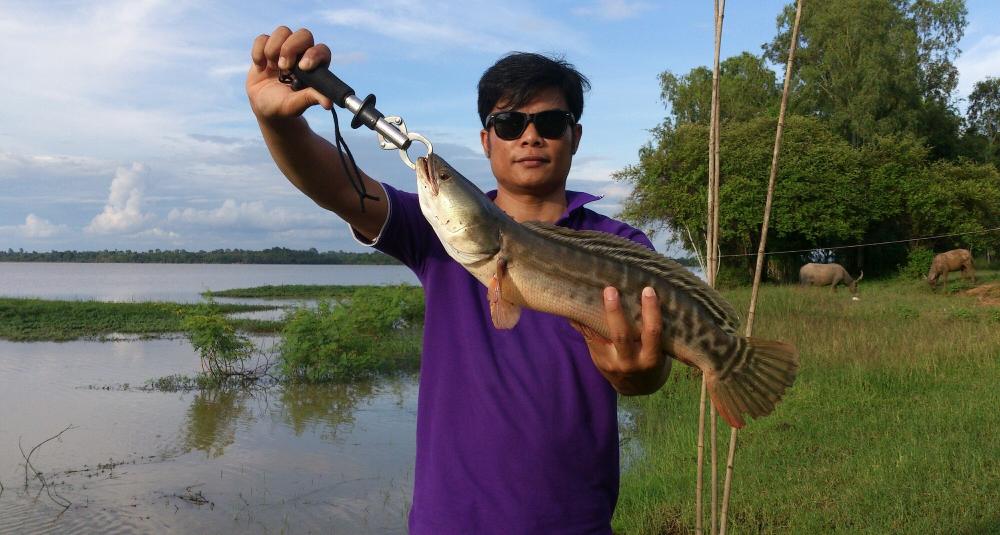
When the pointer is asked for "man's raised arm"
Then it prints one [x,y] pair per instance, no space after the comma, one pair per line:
[309,161]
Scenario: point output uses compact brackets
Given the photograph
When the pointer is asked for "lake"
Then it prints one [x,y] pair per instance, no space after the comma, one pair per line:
[300,459]
[321,459]
[182,283]
[331,458]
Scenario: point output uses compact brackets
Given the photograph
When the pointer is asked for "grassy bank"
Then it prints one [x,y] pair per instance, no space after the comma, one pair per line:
[31,320]
[891,427]
[292,291]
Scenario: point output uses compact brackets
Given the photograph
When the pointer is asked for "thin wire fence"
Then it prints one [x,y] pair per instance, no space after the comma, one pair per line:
[995,229]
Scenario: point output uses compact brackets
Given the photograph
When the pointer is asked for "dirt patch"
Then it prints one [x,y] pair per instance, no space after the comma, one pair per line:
[986,294]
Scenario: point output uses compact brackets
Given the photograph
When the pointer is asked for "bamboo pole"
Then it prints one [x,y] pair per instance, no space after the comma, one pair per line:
[774,171]
[763,243]
[699,515]
[713,151]
[715,471]
[712,261]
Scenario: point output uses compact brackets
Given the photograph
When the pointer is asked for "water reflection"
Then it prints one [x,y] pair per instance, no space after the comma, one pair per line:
[212,419]
[332,407]
[331,411]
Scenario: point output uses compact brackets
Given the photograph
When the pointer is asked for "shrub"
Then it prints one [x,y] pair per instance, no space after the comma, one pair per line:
[226,355]
[918,261]
[216,340]
[374,330]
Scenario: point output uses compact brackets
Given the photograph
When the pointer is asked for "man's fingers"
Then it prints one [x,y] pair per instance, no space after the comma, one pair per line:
[315,57]
[298,101]
[272,49]
[293,47]
[321,99]
[652,324]
[617,324]
[257,51]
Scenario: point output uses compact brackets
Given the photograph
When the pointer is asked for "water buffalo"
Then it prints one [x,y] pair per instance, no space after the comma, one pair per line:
[953,260]
[828,275]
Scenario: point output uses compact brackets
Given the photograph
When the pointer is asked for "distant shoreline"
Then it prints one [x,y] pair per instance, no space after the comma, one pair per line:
[275,255]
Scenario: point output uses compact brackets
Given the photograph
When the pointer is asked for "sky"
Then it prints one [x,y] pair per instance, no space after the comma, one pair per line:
[125,124]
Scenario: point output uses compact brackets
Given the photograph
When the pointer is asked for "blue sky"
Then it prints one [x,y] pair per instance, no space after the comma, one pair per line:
[124,124]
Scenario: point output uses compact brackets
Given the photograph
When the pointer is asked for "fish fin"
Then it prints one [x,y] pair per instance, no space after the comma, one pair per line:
[588,332]
[505,314]
[756,382]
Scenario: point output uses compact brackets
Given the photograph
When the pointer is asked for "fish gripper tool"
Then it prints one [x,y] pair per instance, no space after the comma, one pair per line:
[392,133]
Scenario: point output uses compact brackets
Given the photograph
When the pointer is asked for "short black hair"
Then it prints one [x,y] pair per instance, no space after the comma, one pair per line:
[517,77]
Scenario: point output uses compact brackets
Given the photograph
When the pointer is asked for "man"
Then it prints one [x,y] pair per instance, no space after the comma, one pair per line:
[516,429]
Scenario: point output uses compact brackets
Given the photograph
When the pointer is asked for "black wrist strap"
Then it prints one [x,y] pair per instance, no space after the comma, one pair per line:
[352,171]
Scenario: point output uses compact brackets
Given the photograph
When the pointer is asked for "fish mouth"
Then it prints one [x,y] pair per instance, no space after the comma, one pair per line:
[428,174]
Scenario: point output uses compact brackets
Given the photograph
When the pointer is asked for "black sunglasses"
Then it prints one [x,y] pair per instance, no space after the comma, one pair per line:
[509,125]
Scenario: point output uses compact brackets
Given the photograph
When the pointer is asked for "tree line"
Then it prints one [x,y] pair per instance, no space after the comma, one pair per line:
[274,255]
[875,148]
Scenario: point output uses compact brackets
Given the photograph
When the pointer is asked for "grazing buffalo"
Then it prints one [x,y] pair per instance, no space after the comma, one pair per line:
[953,260]
[828,275]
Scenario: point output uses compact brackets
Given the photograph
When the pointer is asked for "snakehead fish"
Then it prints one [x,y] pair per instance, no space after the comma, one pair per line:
[563,272]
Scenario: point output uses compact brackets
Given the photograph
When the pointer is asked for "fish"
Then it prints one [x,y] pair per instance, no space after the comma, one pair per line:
[563,272]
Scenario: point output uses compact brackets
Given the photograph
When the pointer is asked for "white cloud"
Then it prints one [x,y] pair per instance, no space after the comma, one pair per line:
[135,80]
[977,63]
[592,169]
[11,164]
[34,227]
[123,211]
[439,25]
[611,9]
[159,233]
[248,216]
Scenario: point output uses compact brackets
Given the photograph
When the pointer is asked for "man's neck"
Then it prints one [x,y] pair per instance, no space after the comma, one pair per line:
[525,207]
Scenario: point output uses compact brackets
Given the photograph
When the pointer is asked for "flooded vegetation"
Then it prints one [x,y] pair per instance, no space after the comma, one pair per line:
[30,320]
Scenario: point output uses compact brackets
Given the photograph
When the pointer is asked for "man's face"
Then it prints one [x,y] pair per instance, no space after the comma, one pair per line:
[532,164]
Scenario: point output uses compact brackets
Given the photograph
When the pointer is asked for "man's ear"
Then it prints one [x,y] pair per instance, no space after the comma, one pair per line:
[484,138]
[577,133]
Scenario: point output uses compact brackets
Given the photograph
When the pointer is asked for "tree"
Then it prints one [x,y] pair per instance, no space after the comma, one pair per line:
[818,198]
[829,193]
[955,197]
[747,89]
[983,114]
[877,67]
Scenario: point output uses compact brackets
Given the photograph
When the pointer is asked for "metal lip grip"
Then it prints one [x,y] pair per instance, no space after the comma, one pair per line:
[391,130]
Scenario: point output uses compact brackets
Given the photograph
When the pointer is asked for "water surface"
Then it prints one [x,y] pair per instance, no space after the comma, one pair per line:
[316,459]
[319,459]
[181,283]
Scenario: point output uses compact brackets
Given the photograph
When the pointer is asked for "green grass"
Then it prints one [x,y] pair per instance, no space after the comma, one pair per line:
[292,291]
[30,320]
[891,426]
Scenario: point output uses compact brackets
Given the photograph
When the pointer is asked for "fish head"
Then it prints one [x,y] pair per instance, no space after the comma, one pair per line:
[463,217]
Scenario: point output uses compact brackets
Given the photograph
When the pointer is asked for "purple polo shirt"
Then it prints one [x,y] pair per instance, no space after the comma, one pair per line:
[517,431]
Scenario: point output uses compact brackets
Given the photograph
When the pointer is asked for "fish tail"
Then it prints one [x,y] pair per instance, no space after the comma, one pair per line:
[754,380]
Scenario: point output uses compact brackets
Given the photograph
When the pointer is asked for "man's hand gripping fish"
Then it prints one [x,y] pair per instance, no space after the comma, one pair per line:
[561,271]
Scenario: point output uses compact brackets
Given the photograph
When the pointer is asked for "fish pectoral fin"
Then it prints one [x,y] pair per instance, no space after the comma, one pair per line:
[589,334]
[504,313]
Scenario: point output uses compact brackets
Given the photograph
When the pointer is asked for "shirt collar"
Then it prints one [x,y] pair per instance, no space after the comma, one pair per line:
[574,201]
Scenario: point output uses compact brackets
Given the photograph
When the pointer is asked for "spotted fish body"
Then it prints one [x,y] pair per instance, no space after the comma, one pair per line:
[563,272]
